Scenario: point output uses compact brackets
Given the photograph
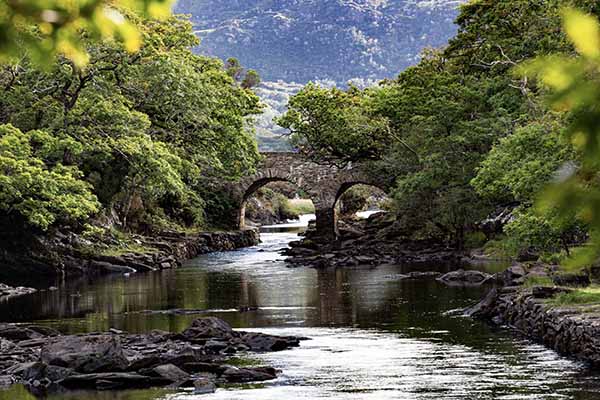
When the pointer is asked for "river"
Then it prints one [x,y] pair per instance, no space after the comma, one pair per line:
[372,336]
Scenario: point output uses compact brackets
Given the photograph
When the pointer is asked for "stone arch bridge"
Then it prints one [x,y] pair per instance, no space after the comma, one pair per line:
[323,183]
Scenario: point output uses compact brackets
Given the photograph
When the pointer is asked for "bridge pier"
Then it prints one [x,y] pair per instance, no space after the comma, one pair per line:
[326,223]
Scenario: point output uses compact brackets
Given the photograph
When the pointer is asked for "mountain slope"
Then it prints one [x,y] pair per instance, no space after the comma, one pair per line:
[303,40]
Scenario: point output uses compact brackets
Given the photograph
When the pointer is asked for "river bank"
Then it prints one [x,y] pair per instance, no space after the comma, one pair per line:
[70,255]
[376,240]
[532,309]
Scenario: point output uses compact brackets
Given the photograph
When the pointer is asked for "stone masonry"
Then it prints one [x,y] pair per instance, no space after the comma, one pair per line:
[323,183]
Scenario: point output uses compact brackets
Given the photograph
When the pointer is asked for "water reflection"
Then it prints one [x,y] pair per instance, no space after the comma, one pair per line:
[374,336]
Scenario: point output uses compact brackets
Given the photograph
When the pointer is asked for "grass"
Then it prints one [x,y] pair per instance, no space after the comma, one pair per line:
[532,281]
[300,206]
[589,295]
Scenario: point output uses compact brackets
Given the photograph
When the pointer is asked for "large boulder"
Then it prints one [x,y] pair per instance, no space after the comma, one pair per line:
[86,354]
[262,342]
[171,372]
[208,328]
[113,380]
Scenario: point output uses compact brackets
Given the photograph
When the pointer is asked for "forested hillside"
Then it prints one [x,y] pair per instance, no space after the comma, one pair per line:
[471,131]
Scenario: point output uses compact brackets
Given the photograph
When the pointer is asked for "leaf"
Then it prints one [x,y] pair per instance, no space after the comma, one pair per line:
[584,31]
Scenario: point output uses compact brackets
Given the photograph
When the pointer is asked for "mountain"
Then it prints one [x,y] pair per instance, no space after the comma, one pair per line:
[332,41]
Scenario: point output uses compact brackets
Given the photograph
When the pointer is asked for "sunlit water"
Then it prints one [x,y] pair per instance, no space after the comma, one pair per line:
[372,336]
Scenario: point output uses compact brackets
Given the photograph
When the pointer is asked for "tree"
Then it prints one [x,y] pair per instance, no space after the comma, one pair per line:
[145,129]
[251,80]
[335,126]
[35,185]
[574,83]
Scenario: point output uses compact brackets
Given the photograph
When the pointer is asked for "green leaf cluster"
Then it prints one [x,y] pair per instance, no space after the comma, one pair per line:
[50,27]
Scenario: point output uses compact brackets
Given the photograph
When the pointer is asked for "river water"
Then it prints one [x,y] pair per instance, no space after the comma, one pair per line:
[372,336]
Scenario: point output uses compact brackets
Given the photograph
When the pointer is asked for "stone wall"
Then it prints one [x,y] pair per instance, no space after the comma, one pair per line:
[573,331]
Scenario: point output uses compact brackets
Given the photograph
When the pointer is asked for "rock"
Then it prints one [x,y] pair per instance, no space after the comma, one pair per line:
[6,381]
[32,342]
[215,346]
[209,327]
[112,380]
[108,268]
[513,275]
[204,386]
[571,279]
[18,333]
[547,292]
[421,275]
[262,342]
[56,374]
[526,255]
[9,291]
[240,375]
[86,354]
[197,367]
[28,371]
[43,330]
[464,278]
[171,372]
[484,307]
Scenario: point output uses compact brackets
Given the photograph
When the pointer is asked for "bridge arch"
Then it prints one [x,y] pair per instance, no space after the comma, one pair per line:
[324,184]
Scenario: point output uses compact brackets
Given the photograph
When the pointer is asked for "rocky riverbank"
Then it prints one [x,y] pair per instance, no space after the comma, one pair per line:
[45,361]
[572,330]
[375,241]
[68,254]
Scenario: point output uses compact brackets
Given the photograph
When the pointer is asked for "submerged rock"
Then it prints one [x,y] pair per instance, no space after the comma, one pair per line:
[465,278]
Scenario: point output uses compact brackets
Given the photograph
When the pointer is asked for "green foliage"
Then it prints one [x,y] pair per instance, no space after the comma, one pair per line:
[521,164]
[51,27]
[144,132]
[355,199]
[331,125]
[575,86]
[35,186]
[532,281]
[502,248]
[544,232]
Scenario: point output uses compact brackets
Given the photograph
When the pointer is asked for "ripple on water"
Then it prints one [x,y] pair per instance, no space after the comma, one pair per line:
[369,364]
